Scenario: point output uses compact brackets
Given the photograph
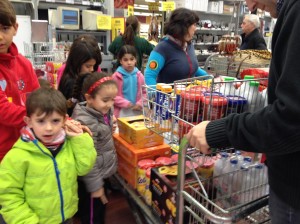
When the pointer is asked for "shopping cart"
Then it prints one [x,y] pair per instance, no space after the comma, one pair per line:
[172,114]
[41,52]
[233,64]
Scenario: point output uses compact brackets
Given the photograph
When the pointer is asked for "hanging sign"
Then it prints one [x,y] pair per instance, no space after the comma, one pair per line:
[117,27]
[130,10]
[168,6]
[153,6]
[103,22]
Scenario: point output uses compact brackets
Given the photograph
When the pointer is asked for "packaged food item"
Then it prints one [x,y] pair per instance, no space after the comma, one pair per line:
[163,161]
[190,107]
[165,116]
[236,104]
[148,193]
[143,165]
[213,107]
[206,166]
[158,102]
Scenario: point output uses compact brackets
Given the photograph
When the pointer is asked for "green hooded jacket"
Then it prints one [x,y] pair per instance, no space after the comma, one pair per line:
[36,188]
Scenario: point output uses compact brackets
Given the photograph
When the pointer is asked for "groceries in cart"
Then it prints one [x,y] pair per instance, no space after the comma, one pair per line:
[177,107]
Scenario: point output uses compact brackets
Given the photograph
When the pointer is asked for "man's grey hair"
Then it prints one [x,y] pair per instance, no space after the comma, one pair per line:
[253,19]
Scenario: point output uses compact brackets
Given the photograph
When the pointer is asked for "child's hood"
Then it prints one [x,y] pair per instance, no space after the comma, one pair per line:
[125,73]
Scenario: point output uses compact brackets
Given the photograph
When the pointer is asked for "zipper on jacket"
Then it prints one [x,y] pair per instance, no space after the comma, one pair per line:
[57,179]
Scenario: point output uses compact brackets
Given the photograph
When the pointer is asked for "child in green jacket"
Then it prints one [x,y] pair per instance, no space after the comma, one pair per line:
[38,176]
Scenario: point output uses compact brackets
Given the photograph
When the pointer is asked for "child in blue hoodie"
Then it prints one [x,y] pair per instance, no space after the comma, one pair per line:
[130,81]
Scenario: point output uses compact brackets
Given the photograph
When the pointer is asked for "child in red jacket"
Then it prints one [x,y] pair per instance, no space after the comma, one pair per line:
[17,79]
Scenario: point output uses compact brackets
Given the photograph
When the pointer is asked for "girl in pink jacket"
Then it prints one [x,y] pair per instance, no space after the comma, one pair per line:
[129,80]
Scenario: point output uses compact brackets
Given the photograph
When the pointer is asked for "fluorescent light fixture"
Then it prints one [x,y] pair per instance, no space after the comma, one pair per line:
[149,0]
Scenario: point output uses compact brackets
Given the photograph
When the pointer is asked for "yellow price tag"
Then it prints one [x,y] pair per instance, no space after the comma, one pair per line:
[168,6]
[130,10]
[103,22]
[153,6]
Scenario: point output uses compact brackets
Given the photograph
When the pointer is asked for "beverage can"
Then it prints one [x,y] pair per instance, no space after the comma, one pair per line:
[148,193]
[158,102]
[165,119]
[143,165]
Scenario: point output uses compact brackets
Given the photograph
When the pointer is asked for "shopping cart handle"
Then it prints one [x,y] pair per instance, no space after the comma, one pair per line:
[253,208]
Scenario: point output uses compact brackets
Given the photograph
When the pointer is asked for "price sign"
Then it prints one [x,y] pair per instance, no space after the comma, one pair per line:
[168,6]
[103,22]
[117,26]
[153,6]
[130,10]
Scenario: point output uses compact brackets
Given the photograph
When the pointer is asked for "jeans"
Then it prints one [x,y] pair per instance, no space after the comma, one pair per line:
[281,212]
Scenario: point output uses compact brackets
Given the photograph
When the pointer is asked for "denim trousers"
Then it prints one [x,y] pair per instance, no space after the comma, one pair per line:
[281,213]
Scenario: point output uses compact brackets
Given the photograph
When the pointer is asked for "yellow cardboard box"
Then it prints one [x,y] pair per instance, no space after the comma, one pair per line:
[133,131]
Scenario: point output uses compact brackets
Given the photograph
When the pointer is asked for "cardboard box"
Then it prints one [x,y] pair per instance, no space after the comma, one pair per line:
[132,154]
[228,9]
[213,6]
[163,189]
[127,171]
[133,130]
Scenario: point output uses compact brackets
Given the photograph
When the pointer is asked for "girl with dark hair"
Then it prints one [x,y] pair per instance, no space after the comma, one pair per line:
[84,57]
[96,113]
[131,37]
[174,57]
[129,80]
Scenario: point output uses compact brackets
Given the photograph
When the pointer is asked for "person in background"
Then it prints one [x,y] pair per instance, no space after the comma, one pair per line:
[85,56]
[275,129]
[251,37]
[17,80]
[39,174]
[99,90]
[174,57]
[130,81]
[131,37]
[153,31]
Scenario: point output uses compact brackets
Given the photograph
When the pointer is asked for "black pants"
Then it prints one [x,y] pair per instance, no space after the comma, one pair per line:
[89,208]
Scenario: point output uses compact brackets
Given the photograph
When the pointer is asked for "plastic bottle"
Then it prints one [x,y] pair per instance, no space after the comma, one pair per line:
[239,157]
[229,174]
[244,185]
[228,87]
[254,96]
[258,180]
[244,87]
[264,96]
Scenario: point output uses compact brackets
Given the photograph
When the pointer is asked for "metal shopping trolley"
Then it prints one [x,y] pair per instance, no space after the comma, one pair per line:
[41,52]
[233,64]
[171,110]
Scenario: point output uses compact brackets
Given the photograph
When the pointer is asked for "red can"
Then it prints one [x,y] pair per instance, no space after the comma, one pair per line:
[213,107]
[190,106]
[184,128]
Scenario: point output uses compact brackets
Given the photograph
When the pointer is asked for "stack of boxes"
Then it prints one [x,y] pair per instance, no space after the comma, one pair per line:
[135,142]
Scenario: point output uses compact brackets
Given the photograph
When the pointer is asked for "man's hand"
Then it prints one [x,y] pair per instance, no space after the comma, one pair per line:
[197,137]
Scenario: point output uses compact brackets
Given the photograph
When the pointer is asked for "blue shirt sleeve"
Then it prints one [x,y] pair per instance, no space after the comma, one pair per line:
[155,64]
[200,72]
